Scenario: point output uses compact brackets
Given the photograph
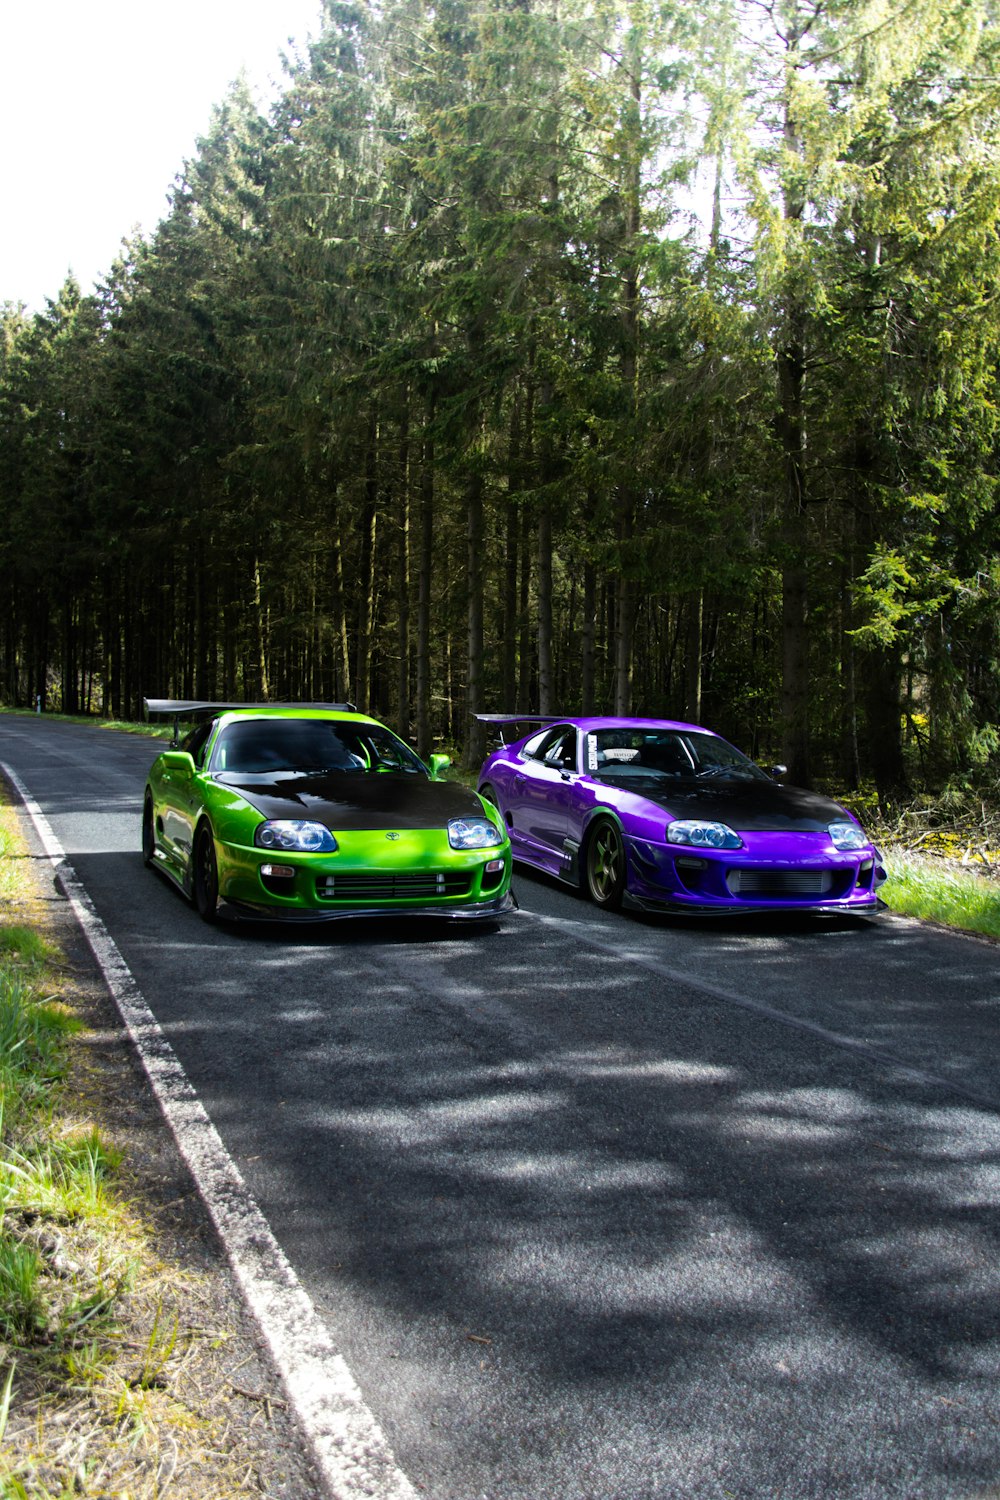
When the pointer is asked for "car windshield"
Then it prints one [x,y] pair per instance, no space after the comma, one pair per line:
[272,746]
[663,755]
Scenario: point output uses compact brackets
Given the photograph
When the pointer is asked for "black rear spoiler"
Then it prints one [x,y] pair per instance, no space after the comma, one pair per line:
[501,719]
[193,708]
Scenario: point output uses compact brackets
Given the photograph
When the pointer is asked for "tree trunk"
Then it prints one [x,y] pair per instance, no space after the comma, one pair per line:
[509,631]
[623,646]
[366,599]
[403,584]
[632,193]
[260,637]
[693,655]
[424,581]
[474,533]
[791,364]
[882,673]
[342,644]
[545,610]
[588,638]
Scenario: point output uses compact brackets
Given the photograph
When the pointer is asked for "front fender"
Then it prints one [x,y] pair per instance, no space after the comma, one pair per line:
[232,818]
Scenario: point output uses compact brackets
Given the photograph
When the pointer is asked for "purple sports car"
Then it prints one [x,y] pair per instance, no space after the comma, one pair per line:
[661,816]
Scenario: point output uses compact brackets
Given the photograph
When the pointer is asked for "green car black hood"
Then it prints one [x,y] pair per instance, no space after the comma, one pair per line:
[355,800]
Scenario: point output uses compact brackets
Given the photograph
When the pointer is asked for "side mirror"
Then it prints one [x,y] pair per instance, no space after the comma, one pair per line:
[439,763]
[776,772]
[178,760]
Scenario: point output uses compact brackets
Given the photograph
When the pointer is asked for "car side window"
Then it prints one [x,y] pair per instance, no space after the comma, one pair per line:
[540,745]
[388,754]
[195,741]
[534,749]
[562,751]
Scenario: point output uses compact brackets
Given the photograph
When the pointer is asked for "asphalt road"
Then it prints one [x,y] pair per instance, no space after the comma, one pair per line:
[597,1206]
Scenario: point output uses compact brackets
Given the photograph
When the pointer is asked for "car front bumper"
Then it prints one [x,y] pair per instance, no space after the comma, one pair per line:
[416,873]
[764,876]
[471,911]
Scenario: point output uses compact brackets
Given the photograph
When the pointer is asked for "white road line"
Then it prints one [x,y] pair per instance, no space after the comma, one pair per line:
[352,1453]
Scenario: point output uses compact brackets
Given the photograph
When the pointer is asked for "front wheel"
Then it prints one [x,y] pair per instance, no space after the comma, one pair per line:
[148,833]
[206,875]
[606,866]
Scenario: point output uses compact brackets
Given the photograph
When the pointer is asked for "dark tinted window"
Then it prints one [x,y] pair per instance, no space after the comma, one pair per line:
[195,740]
[562,751]
[543,743]
[259,746]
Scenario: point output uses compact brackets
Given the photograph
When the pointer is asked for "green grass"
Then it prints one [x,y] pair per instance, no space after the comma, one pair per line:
[22,1307]
[26,946]
[109,1375]
[49,1170]
[944,891]
[66,1243]
[162,731]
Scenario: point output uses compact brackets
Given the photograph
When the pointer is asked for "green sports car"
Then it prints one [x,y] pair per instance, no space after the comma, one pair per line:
[317,811]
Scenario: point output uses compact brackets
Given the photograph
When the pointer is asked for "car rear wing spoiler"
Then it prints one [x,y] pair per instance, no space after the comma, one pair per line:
[194,708]
[501,719]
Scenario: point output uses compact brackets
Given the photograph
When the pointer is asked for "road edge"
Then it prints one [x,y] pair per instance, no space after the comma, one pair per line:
[349,1448]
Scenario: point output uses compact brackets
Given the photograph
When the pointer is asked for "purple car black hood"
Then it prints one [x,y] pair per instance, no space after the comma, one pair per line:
[746,806]
[353,800]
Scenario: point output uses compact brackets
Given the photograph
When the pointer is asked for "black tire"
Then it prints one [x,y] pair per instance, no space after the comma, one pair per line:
[148,833]
[605,865]
[489,795]
[206,875]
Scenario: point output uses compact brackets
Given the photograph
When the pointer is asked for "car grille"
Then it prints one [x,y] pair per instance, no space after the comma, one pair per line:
[361,886]
[781,882]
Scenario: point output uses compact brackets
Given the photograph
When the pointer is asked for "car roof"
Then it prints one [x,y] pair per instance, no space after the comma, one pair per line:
[612,721]
[295,711]
[191,709]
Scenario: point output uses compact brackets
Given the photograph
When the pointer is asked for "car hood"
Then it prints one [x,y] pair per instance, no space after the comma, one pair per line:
[345,800]
[748,806]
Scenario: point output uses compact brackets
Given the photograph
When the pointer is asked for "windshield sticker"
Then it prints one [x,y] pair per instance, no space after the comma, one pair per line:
[591,752]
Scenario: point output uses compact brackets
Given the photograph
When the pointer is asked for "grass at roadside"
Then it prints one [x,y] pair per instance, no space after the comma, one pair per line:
[161,731]
[942,890]
[66,1247]
[116,1378]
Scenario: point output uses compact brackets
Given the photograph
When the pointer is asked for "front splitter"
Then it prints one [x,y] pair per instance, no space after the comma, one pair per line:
[479,911]
[653,907]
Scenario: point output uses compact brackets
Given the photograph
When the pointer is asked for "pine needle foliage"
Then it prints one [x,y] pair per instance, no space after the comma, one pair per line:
[550,354]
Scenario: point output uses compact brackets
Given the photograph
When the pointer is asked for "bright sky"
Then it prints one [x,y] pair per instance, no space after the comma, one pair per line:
[101,101]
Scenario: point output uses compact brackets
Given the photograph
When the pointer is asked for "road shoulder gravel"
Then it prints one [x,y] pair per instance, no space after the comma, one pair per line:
[215,1422]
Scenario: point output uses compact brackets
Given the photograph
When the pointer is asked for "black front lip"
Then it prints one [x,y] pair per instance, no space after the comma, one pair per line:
[476,911]
[778,907]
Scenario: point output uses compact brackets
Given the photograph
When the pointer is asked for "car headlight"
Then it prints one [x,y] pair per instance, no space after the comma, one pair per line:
[473,833]
[295,834]
[848,836]
[703,835]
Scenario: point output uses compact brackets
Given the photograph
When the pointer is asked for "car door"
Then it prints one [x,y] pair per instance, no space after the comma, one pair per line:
[541,795]
[180,794]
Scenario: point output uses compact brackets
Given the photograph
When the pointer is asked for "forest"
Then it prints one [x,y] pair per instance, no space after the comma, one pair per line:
[546,355]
